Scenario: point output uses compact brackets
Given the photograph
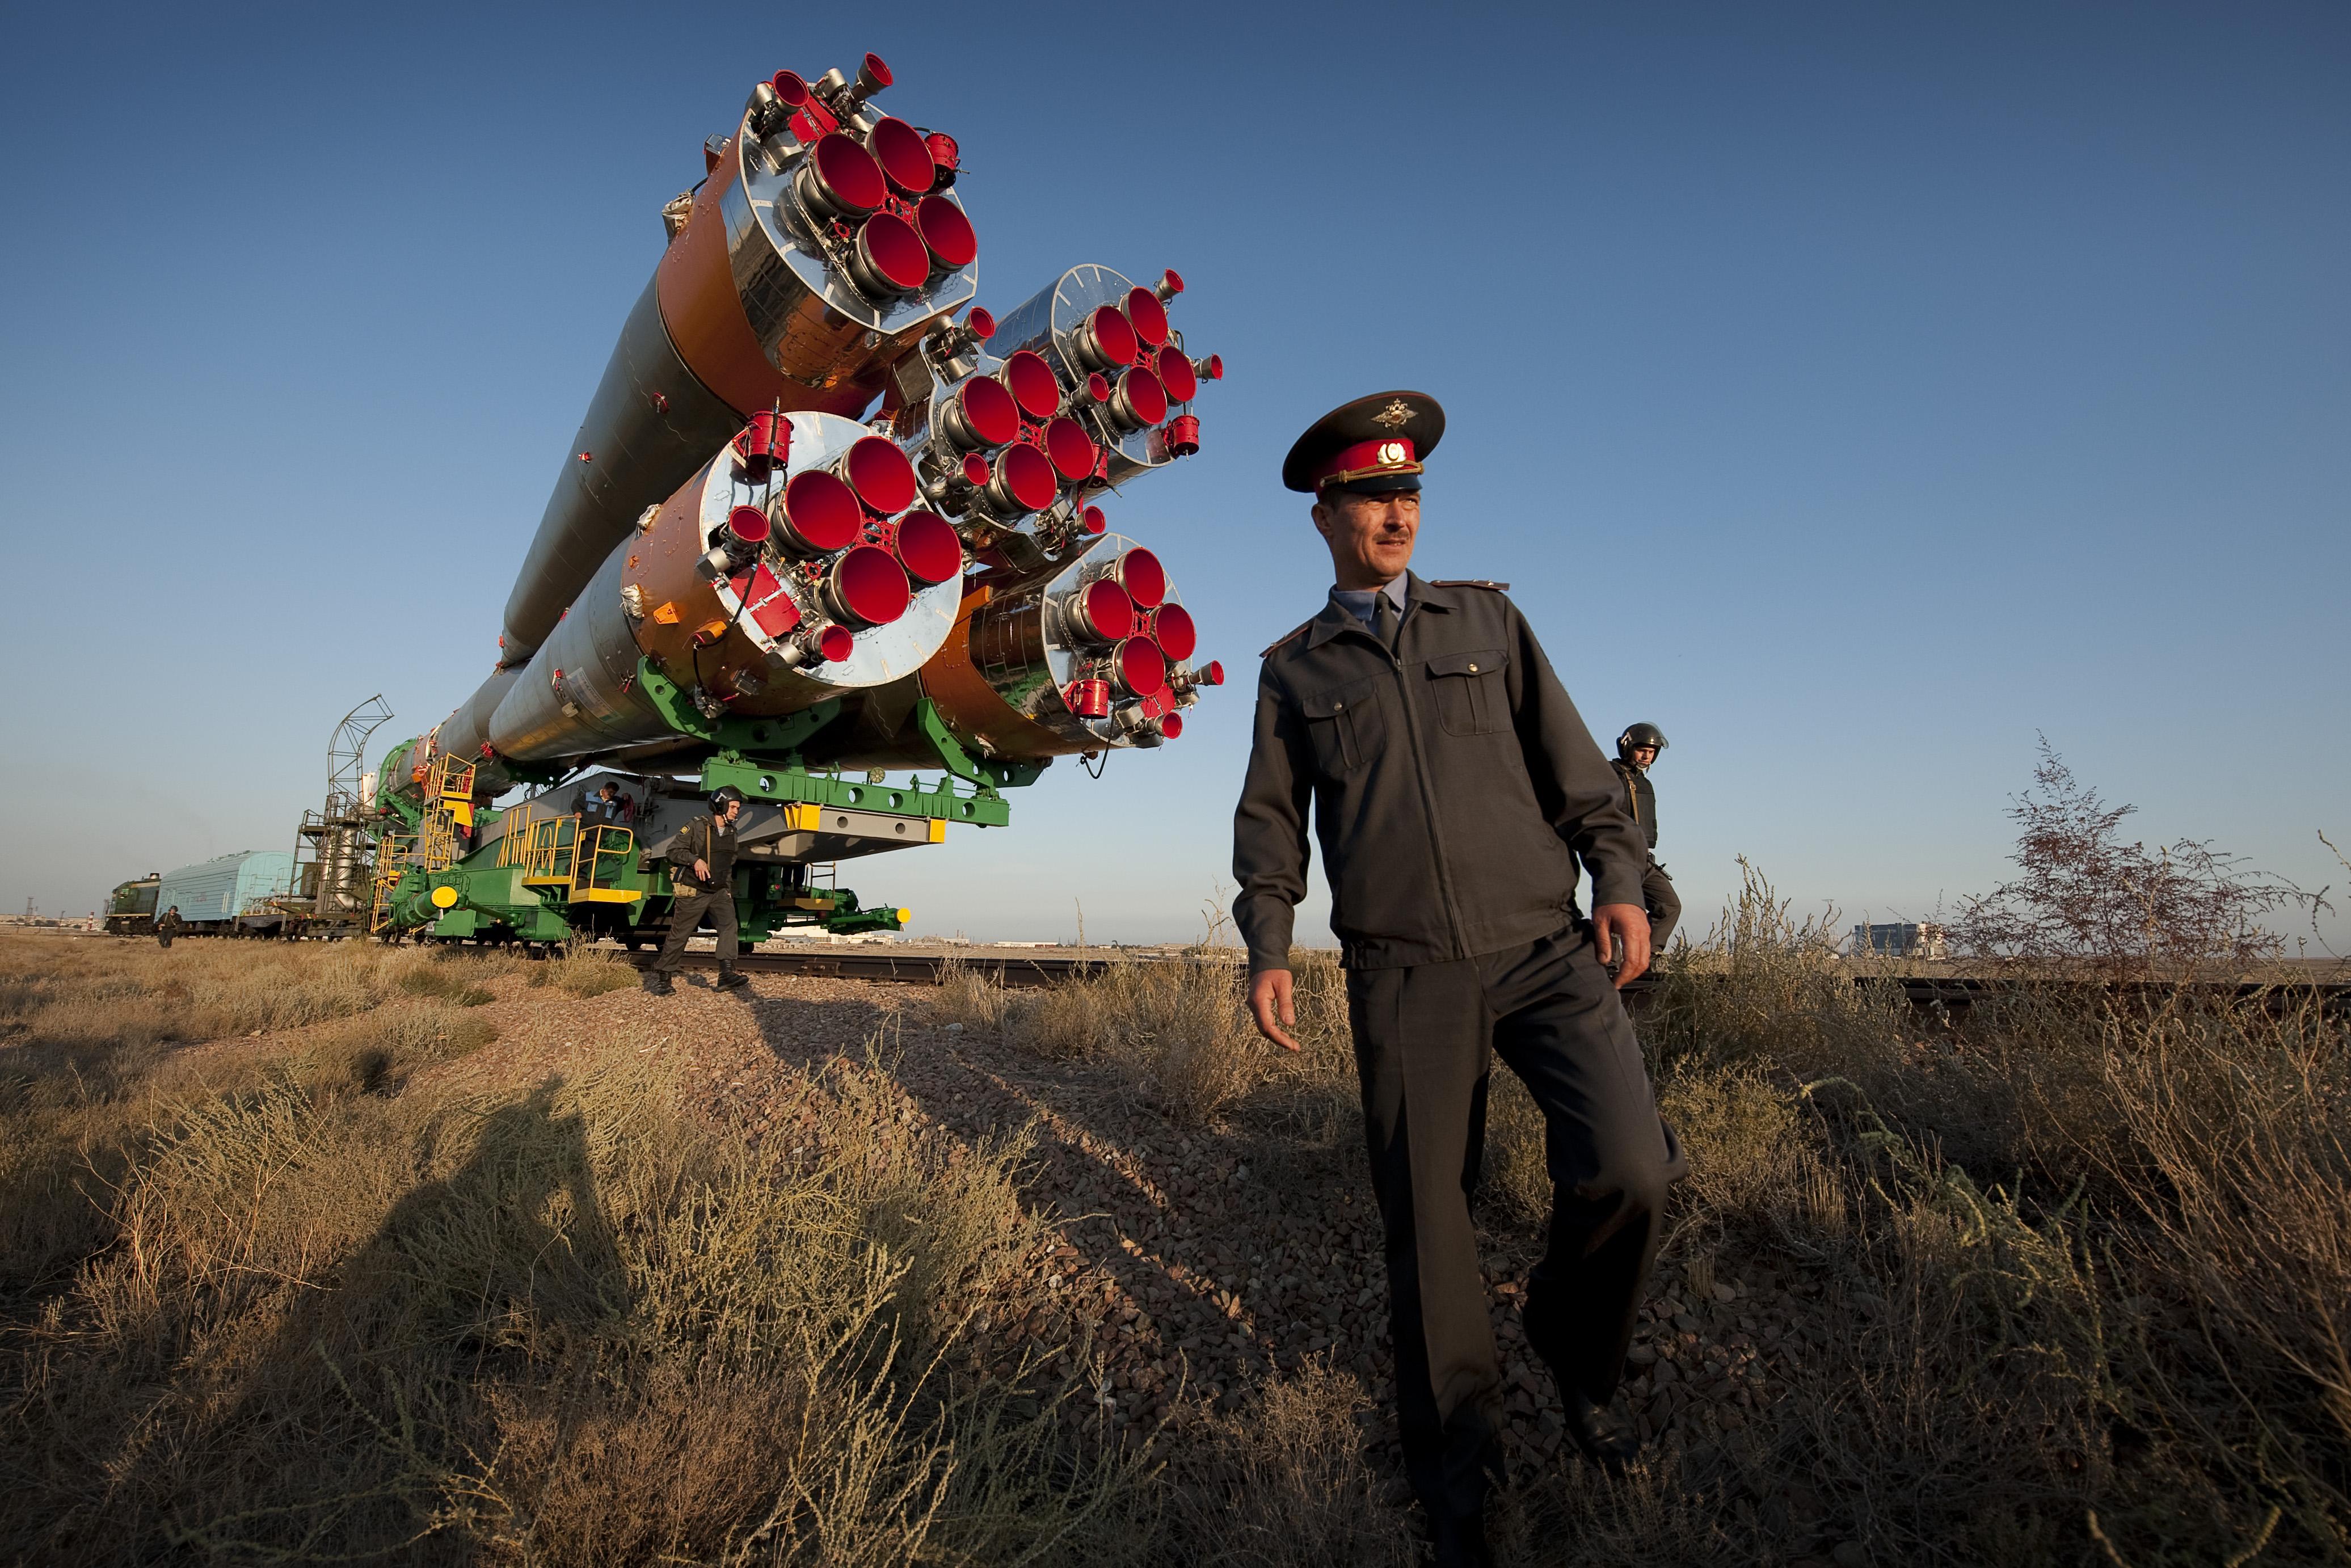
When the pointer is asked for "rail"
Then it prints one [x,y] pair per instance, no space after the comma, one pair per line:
[1950,993]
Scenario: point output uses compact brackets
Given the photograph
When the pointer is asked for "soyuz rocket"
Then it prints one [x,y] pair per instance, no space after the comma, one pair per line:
[803,480]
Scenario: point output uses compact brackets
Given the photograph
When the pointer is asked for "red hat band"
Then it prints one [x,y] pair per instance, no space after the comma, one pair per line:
[1388,454]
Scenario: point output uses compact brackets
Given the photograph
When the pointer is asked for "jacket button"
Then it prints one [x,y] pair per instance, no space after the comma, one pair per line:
[1473,669]
[1336,706]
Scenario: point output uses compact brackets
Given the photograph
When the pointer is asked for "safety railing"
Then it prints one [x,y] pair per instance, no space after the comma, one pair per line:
[391,861]
[448,812]
[546,850]
[600,856]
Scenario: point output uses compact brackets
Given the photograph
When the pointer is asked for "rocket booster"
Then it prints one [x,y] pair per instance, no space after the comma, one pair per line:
[824,240]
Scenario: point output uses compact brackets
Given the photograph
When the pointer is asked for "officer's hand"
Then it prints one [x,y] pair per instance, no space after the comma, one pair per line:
[1623,933]
[702,871]
[1270,996]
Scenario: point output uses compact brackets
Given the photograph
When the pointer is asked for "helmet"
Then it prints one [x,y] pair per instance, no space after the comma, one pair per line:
[726,796]
[1639,735]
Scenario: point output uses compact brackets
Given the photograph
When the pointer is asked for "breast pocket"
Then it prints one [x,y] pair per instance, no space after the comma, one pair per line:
[1471,697]
[1347,726]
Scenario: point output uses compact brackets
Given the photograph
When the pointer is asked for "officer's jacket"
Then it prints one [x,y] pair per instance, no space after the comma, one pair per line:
[703,838]
[1454,785]
[1640,800]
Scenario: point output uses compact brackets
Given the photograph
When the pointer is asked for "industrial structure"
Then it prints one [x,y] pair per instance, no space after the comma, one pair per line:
[814,528]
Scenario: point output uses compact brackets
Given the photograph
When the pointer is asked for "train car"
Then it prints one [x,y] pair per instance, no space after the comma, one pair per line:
[213,894]
[131,907]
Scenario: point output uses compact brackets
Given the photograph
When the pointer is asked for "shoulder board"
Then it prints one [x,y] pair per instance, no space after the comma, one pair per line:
[1285,637]
[1469,582]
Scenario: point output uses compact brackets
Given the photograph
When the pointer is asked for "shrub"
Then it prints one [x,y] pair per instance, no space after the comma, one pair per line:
[2083,897]
[585,970]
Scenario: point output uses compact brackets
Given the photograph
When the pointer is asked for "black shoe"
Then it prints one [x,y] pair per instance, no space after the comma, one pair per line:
[729,980]
[1595,1436]
[657,984]
[1460,1543]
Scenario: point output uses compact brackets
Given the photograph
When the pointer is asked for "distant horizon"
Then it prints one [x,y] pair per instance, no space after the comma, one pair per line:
[1857,394]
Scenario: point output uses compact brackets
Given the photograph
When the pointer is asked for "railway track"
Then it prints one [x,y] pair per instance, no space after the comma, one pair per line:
[1950,993]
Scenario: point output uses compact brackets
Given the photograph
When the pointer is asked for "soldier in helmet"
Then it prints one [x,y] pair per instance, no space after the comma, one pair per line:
[702,877]
[1636,753]
[1457,796]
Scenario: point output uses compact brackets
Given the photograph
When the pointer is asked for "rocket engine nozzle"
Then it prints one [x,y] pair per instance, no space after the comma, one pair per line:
[979,414]
[1145,580]
[820,513]
[1138,667]
[1148,314]
[1185,680]
[927,548]
[1101,613]
[736,541]
[879,474]
[1106,341]
[1138,400]
[1072,450]
[904,156]
[1021,481]
[839,179]
[890,257]
[1176,375]
[866,586]
[947,233]
[1034,386]
[1172,627]
[954,342]
[872,76]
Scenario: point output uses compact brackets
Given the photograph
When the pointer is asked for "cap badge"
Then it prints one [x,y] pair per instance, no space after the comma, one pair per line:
[1392,452]
[1395,414]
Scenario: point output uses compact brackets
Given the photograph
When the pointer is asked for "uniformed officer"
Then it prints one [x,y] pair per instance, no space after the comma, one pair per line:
[1636,753]
[702,877]
[1454,789]
[167,925]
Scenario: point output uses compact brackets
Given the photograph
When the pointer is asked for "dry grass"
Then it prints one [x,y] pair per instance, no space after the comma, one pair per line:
[2072,1276]
[587,971]
[310,1308]
[1180,1027]
[2068,1281]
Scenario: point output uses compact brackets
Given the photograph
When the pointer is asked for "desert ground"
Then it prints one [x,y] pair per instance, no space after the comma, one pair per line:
[391,1254]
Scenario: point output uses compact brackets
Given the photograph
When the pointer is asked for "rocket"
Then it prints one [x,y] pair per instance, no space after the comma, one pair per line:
[818,485]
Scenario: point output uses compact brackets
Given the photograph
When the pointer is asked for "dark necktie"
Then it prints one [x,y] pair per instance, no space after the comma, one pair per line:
[1384,619]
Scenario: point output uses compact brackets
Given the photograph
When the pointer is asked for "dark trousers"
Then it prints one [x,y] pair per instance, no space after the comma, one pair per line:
[1425,1039]
[685,917]
[163,939]
[1664,906]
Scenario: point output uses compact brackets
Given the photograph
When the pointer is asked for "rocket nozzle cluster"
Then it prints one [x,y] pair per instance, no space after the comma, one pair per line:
[875,185]
[1099,388]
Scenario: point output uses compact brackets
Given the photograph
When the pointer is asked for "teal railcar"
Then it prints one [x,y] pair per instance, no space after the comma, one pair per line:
[211,893]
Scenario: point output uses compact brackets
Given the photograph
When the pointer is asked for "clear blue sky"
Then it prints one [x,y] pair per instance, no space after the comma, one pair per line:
[1853,390]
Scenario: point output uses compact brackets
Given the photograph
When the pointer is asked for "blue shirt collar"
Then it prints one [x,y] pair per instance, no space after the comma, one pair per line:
[1357,602]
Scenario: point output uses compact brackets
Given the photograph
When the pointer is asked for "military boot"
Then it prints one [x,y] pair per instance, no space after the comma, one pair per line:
[728,979]
[657,984]
[1595,1435]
